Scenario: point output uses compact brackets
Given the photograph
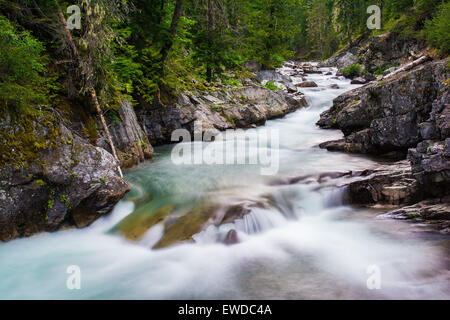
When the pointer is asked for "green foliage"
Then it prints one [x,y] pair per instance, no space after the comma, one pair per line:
[142,50]
[269,26]
[21,63]
[40,182]
[353,70]
[271,85]
[437,30]
[380,71]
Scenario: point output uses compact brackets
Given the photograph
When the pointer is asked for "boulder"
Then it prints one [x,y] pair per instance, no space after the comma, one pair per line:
[390,185]
[231,237]
[271,75]
[390,116]
[307,84]
[358,80]
[67,183]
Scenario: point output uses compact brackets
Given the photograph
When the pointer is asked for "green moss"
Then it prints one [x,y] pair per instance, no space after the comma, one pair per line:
[137,224]
[215,108]
[185,227]
[380,71]
[40,182]
[63,199]
[230,120]
[23,139]
[50,203]
[352,104]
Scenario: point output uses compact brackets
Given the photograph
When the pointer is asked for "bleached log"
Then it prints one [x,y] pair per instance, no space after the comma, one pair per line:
[409,66]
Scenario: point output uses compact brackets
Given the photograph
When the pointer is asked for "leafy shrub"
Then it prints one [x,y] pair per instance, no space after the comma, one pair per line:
[437,30]
[271,85]
[353,70]
[20,65]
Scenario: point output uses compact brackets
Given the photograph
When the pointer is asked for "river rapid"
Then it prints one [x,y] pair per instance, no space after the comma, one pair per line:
[305,245]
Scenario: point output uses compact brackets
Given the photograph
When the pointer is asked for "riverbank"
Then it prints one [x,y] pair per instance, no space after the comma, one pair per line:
[304,242]
[57,170]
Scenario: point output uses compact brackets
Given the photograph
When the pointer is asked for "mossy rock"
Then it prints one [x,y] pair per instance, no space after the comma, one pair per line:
[137,224]
[186,226]
[23,136]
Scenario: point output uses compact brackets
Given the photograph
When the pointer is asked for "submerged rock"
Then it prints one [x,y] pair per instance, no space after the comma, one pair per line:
[231,237]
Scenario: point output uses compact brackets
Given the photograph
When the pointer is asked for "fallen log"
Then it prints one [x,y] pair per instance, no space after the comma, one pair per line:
[409,66]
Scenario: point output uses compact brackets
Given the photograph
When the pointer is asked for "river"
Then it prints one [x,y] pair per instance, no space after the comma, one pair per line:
[305,245]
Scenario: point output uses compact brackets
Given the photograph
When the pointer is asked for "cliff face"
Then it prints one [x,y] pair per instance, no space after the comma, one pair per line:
[394,114]
[131,142]
[223,109]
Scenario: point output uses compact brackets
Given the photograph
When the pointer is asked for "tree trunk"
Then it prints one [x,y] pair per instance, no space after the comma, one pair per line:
[108,136]
[210,27]
[173,31]
[92,90]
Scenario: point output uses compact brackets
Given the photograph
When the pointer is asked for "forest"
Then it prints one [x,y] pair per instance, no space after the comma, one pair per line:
[147,49]
[224,149]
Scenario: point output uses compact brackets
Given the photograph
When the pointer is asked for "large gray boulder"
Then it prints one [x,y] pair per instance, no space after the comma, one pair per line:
[271,75]
[392,112]
[59,181]
[407,114]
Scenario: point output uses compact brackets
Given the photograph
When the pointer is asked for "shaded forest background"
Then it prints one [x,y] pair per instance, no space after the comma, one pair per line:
[151,49]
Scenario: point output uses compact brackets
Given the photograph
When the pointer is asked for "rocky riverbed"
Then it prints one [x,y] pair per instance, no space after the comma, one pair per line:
[224,231]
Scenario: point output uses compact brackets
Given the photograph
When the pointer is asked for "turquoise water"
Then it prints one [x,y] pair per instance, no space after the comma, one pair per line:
[304,245]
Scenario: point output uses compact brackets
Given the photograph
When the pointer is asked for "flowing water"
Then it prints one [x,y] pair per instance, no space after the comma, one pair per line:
[304,245]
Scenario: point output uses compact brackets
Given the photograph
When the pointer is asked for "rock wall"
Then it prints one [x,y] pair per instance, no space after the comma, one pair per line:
[391,115]
[406,115]
[223,109]
[131,142]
